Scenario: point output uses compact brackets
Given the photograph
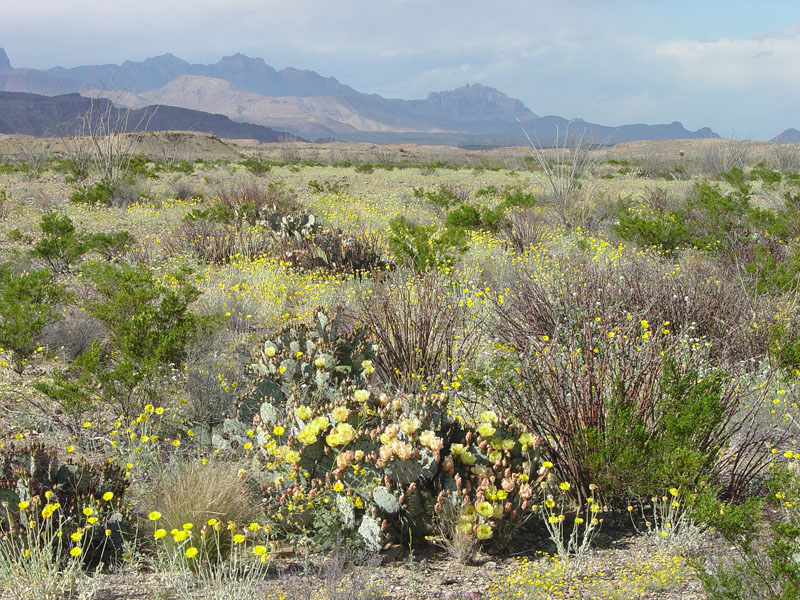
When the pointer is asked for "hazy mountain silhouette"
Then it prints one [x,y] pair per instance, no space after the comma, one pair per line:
[309,105]
[788,136]
[33,114]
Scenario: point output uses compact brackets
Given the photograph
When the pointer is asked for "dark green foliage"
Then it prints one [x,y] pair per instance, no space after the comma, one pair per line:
[99,193]
[149,326]
[663,230]
[770,178]
[442,198]
[765,564]
[636,453]
[469,216]
[737,178]
[784,346]
[28,302]
[328,186]
[143,166]
[708,219]
[257,166]
[424,247]
[62,246]
[112,245]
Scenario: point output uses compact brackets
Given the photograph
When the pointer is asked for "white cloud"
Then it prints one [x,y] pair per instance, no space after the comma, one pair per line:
[738,64]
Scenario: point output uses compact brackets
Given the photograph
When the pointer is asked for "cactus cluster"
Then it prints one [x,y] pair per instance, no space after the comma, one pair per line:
[331,442]
[89,497]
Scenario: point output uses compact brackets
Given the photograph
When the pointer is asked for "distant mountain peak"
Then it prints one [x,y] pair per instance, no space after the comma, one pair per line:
[787,136]
[5,64]
[475,102]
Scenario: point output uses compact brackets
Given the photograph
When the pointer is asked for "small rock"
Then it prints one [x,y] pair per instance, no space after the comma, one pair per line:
[490,565]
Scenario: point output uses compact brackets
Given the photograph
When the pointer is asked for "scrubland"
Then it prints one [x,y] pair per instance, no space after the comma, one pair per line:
[237,370]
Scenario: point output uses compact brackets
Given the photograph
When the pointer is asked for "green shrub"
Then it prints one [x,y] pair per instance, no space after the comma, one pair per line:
[61,246]
[425,247]
[765,564]
[28,302]
[99,193]
[149,326]
[257,166]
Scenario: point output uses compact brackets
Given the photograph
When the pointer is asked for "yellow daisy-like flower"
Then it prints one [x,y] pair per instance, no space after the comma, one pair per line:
[338,486]
[564,485]
[238,538]
[159,533]
[259,550]
[108,496]
[547,464]
[23,505]
[76,551]
[88,511]
[154,515]
[191,552]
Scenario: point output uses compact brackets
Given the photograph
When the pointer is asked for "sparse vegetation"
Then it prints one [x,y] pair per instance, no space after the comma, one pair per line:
[253,367]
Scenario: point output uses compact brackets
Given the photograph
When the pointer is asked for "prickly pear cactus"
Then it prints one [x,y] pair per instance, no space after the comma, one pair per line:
[34,478]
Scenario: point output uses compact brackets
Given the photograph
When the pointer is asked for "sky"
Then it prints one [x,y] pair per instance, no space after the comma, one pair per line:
[730,65]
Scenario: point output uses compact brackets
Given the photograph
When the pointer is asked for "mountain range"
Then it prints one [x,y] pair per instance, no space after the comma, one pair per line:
[304,103]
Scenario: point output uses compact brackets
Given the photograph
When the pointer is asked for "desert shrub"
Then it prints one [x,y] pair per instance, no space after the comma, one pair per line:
[113,245]
[426,332]
[246,202]
[257,166]
[148,328]
[604,369]
[183,190]
[212,389]
[764,562]
[331,250]
[708,219]
[329,186]
[5,206]
[524,229]
[444,197]
[73,334]
[28,302]
[770,178]
[424,247]
[364,168]
[61,246]
[219,244]
[470,216]
[724,156]
[99,193]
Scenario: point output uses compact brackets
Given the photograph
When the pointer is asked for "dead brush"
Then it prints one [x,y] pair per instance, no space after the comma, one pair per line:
[426,332]
[219,244]
[579,358]
[524,229]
